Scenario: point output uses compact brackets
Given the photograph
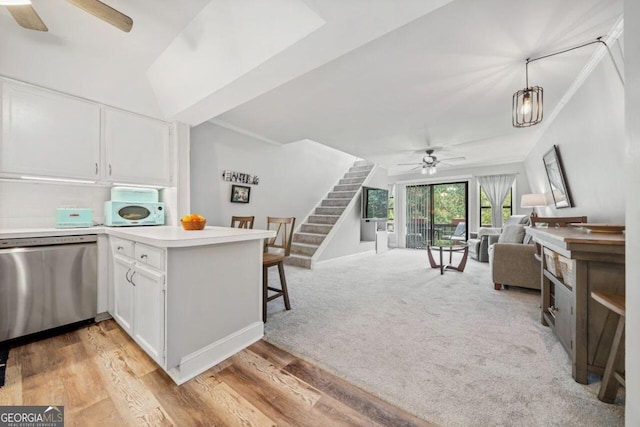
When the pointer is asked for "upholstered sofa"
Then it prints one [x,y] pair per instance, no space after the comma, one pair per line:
[479,242]
[512,259]
[514,264]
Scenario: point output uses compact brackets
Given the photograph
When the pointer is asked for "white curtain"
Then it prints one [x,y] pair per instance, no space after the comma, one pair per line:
[496,187]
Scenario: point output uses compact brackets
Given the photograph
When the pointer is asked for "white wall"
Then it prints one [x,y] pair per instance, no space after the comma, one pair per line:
[632,175]
[293,177]
[347,237]
[589,133]
[461,175]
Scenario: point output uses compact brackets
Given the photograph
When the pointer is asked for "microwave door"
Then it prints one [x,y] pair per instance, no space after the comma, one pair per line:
[134,213]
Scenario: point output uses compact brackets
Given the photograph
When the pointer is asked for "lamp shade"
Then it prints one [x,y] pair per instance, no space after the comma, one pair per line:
[533,200]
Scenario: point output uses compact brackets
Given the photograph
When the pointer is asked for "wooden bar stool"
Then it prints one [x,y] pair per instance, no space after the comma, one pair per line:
[611,379]
[284,234]
[242,221]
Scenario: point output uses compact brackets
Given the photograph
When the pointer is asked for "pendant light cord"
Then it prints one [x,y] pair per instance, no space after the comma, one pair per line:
[598,40]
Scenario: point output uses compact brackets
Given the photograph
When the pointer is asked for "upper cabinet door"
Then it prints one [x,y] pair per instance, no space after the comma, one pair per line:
[137,148]
[45,133]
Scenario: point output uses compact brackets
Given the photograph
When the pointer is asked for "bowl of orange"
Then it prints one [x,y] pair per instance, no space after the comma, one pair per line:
[193,222]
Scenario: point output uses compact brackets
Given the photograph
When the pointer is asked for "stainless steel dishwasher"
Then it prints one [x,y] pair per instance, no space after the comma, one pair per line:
[46,282]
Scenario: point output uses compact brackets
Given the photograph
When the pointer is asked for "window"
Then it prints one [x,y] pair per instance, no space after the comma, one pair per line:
[390,211]
[485,208]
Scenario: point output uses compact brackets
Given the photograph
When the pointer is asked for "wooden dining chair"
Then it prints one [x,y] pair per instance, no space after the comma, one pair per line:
[242,221]
[282,241]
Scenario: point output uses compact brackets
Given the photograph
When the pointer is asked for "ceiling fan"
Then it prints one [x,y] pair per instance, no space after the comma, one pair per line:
[27,17]
[429,162]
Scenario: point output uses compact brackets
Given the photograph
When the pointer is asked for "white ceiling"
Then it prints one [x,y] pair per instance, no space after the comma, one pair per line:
[84,56]
[445,79]
[379,79]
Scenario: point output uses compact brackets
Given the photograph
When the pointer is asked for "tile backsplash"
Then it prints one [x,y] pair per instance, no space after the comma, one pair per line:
[25,204]
[33,204]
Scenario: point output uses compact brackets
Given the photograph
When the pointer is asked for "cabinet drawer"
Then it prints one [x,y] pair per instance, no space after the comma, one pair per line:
[121,246]
[153,257]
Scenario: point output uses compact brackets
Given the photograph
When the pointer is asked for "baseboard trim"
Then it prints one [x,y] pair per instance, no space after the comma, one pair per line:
[199,361]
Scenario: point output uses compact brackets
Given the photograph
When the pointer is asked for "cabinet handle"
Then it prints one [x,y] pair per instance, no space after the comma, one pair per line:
[109,169]
[119,248]
[126,275]
[96,168]
[132,282]
[143,256]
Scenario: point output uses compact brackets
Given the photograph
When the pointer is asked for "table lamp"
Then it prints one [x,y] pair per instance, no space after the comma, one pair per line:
[533,201]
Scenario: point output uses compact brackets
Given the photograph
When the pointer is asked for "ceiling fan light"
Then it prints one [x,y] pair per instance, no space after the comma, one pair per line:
[527,107]
[423,171]
[15,2]
[431,170]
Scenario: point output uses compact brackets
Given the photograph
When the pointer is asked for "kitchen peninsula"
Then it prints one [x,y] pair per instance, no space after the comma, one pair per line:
[190,299]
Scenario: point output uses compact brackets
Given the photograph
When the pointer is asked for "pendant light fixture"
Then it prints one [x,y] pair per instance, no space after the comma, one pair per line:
[526,105]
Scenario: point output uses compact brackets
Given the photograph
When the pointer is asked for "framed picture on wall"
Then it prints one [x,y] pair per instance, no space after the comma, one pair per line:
[555,175]
[240,194]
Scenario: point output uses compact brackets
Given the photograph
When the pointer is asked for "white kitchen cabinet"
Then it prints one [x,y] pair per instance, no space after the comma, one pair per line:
[137,148]
[139,295]
[123,292]
[46,133]
[149,311]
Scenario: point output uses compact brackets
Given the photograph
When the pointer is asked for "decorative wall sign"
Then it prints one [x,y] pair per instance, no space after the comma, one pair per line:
[243,178]
[240,194]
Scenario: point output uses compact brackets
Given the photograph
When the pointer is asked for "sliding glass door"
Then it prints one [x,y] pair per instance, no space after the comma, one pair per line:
[435,211]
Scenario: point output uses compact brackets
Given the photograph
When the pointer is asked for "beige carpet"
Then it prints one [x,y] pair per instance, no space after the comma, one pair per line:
[449,348]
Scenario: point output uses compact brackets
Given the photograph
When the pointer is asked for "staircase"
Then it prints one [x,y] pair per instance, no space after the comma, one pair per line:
[319,224]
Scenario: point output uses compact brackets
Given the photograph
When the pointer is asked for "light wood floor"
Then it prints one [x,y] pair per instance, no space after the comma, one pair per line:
[102,378]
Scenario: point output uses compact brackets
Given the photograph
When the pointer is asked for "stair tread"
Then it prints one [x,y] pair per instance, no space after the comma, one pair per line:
[311,234]
[310,245]
[299,256]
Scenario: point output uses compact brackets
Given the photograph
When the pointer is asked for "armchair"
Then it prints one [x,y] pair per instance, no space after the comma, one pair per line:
[479,242]
[513,258]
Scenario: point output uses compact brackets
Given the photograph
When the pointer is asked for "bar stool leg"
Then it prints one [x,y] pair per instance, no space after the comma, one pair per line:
[283,284]
[609,386]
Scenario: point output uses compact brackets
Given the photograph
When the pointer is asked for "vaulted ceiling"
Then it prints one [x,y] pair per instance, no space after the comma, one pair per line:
[379,79]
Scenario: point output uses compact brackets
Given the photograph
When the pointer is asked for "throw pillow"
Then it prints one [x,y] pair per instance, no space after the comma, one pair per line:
[512,233]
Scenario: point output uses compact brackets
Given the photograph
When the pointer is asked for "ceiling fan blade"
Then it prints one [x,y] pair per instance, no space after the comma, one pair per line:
[105,12]
[408,164]
[417,167]
[456,158]
[27,17]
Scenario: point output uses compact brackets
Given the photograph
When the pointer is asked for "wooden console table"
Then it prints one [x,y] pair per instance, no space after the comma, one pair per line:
[575,263]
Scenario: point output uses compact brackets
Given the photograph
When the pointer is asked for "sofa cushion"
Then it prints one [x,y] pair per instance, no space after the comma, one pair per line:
[512,233]
[517,219]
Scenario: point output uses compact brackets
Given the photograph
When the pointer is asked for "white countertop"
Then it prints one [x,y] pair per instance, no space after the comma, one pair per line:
[176,237]
[165,236]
